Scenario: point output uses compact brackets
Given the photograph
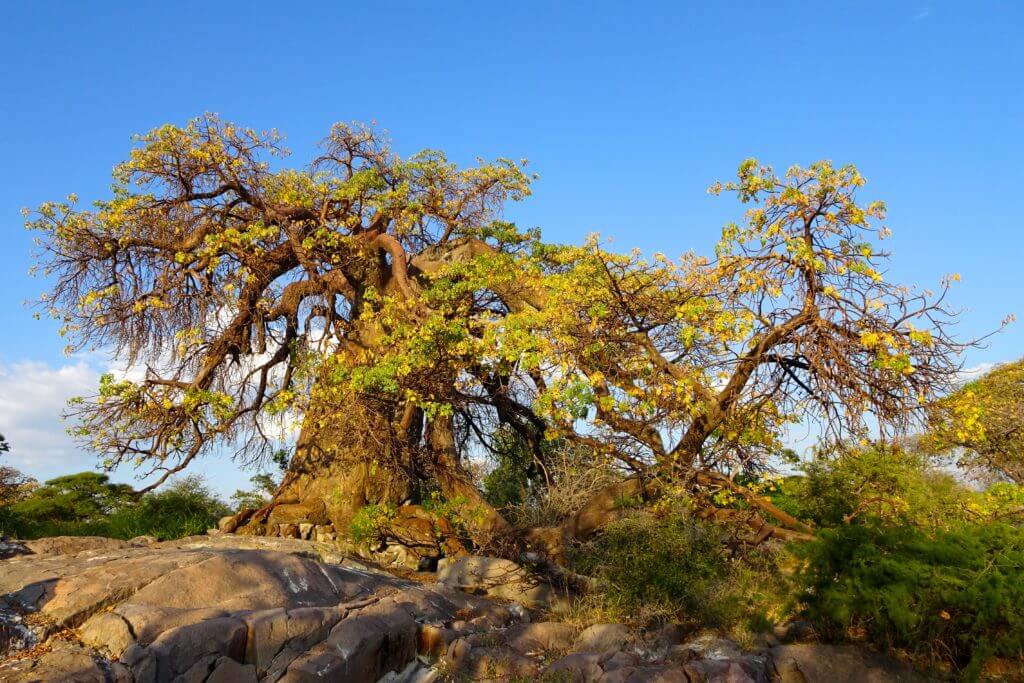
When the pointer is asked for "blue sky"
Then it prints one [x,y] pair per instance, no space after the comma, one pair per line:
[628,111]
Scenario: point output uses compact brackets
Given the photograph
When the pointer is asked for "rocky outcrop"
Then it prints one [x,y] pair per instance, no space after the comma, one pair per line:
[497,578]
[221,608]
[797,663]
[251,608]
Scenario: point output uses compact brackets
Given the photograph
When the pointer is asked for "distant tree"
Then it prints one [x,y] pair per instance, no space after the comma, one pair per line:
[261,492]
[82,497]
[14,485]
[983,423]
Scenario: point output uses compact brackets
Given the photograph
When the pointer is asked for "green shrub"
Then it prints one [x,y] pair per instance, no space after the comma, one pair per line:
[186,508]
[956,594]
[370,524]
[890,485]
[673,564]
[82,497]
[79,505]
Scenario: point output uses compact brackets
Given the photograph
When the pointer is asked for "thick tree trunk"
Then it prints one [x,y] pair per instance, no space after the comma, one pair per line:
[335,472]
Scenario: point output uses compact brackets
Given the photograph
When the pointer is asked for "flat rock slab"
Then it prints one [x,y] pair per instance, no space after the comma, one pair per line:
[229,608]
[220,608]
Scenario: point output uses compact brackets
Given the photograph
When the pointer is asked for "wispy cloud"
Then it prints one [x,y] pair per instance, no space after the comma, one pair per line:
[972,373]
[923,14]
[33,395]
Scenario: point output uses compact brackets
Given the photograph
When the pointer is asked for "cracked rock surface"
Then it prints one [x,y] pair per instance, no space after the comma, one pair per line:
[231,608]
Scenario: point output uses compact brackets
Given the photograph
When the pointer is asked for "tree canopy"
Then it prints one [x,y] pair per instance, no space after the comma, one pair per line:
[386,304]
[983,422]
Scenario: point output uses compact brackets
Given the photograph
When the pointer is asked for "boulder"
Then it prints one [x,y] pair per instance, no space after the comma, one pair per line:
[602,638]
[10,547]
[808,662]
[544,636]
[580,667]
[69,545]
[143,541]
[495,577]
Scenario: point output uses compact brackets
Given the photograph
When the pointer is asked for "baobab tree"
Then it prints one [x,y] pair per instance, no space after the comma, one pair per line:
[338,293]
[385,304]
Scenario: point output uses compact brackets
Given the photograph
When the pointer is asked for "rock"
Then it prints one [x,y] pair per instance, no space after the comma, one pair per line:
[228,524]
[710,646]
[66,662]
[540,636]
[723,671]
[496,663]
[10,548]
[667,637]
[305,530]
[174,651]
[107,631]
[602,637]
[229,608]
[794,630]
[495,577]
[656,673]
[69,545]
[581,667]
[227,670]
[837,664]
[395,555]
[143,541]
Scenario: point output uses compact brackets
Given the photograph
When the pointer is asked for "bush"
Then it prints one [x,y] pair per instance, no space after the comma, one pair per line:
[186,508]
[889,485]
[81,505]
[955,595]
[572,475]
[671,567]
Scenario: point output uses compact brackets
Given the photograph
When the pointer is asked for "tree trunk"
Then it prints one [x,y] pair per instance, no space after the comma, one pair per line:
[335,472]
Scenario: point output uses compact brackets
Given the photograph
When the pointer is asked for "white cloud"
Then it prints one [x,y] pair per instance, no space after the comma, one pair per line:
[33,395]
[969,374]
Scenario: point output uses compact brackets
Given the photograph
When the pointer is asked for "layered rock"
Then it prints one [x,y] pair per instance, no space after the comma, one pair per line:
[227,608]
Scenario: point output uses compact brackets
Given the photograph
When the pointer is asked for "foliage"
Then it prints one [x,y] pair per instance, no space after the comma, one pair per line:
[87,505]
[673,566]
[514,472]
[955,594]
[983,423]
[892,485]
[184,508]
[82,497]
[14,486]
[370,524]
[263,487]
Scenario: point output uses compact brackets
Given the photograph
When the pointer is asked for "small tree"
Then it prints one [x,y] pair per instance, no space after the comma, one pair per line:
[263,487]
[690,371]
[983,423]
[82,497]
